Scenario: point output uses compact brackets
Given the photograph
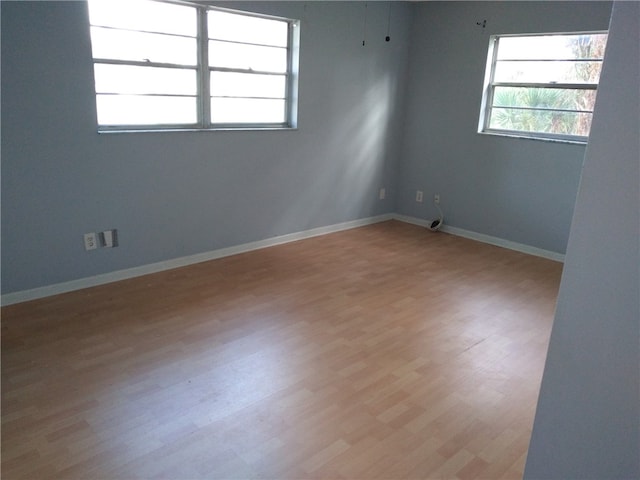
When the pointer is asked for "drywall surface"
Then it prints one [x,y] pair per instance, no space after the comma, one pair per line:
[515,189]
[176,194]
[587,421]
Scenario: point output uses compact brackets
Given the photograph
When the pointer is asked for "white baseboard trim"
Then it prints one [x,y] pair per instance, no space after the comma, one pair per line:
[64,287]
[480,237]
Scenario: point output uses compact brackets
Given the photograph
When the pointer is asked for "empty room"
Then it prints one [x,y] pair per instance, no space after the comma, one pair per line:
[321,239]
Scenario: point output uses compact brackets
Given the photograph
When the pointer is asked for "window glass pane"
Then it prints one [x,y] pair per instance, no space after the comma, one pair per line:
[141,47]
[144,110]
[144,15]
[247,57]
[554,61]
[550,47]
[133,79]
[246,110]
[229,84]
[547,72]
[247,29]
[147,67]
[560,123]
[553,98]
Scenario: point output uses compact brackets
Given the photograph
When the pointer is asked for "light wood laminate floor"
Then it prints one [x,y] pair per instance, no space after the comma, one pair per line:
[385,351]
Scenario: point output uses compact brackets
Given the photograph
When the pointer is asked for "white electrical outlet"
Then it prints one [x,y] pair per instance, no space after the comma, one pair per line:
[419,195]
[382,194]
[436,198]
[90,241]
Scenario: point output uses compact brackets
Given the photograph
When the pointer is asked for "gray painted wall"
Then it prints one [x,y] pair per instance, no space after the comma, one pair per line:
[177,194]
[519,190]
[588,419]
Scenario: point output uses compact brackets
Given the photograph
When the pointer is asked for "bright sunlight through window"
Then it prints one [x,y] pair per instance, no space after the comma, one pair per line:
[542,86]
[161,65]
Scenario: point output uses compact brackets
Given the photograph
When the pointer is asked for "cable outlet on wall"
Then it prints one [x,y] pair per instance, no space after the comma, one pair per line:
[382,194]
[436,198]
[419,195]
[90,241]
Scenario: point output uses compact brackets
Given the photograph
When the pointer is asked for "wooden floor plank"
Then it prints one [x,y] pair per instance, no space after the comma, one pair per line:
[385,351]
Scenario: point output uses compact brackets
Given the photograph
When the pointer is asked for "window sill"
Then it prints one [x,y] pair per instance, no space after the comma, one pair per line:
[524,136]
[198,130]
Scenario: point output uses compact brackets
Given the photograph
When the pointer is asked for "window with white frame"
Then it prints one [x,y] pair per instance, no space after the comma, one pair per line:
[542,86]
[163,65]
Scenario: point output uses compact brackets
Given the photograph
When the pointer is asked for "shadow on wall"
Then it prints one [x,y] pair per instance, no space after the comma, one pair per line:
[347,185]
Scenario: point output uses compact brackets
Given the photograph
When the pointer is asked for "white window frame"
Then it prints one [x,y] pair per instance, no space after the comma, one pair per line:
[203,71]
[490,86]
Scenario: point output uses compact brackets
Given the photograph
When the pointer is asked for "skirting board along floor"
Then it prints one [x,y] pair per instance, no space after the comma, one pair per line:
[49,290]
[480,237]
